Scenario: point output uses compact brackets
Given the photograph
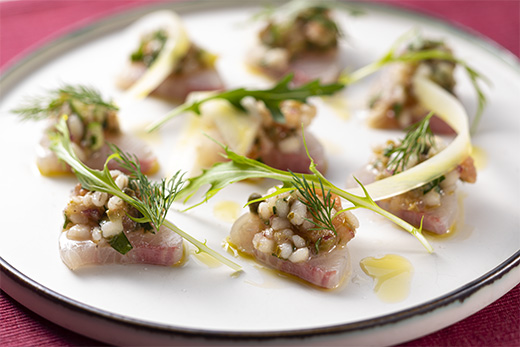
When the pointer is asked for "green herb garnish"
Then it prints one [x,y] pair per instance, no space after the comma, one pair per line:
[418,140]
[240,167]
[320,209]
[271,97]
[154,199]
[42,107]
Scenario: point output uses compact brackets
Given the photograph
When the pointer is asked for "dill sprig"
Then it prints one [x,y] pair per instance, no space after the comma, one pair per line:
[157,197]
[271,97]
[41,107]
[321,209]
[417,141]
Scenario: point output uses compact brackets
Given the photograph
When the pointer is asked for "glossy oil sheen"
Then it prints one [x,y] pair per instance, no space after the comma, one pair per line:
[392,275]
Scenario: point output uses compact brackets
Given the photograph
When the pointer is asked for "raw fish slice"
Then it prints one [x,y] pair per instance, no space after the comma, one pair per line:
[50,165]
[256,135]
[176,86]
[326,271]
[295,161]
[164,247]
[438,220]
[308,67]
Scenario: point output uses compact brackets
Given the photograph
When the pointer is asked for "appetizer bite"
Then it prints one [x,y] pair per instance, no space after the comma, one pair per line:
[117,218]
[92,124]
[301,232]
[394,104]
[303,42]
[184,66]
[266,125]
[256,134]
[432,205]
[101,228]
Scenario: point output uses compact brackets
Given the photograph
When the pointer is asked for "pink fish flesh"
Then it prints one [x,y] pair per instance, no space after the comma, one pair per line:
[326,270]
[176,86]
[294,161]
[438,220]
[308,67]
[165,247]
[50,165]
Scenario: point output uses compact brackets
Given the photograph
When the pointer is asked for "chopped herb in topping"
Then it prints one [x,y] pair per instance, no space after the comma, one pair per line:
[435,185]
[120,243]
[150,47]
[317,245]
[397,108]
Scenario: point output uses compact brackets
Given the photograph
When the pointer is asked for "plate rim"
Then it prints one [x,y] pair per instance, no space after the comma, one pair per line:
[27,64]
[11,274]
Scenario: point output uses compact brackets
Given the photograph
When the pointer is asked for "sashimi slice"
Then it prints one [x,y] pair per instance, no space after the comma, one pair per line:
[327,271]
[164,247]
[280,233]
[297,161]
[325,67]
[49,165]
[176,86]
[438,219]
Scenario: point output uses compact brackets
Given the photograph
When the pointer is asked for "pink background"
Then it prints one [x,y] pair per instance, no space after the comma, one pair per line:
[28,25]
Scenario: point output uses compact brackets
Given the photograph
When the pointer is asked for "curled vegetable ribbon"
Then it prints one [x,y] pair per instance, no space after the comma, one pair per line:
[447,107]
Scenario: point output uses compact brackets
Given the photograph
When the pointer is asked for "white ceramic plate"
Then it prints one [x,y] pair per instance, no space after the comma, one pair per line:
[199,302]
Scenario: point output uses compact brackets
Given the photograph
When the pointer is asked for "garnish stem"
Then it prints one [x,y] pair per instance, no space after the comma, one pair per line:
[202,246]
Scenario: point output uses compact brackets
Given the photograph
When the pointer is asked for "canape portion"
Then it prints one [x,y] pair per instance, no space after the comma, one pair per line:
[101,228]
[92,123]
[394,105]
[193,70]
[303,43]
[290,233]
[434,203]
[256,134]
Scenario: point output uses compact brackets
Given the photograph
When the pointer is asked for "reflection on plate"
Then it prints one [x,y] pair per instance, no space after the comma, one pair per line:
[468,270]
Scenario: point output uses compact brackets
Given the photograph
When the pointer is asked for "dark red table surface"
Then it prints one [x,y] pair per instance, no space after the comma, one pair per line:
[27,25]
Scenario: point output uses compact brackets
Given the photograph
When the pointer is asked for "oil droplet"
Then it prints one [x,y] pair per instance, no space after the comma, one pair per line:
[479,156]
[392,274]
[339,105]
[226,211]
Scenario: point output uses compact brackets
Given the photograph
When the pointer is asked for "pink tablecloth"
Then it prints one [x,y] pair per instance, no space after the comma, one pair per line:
[27,25]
